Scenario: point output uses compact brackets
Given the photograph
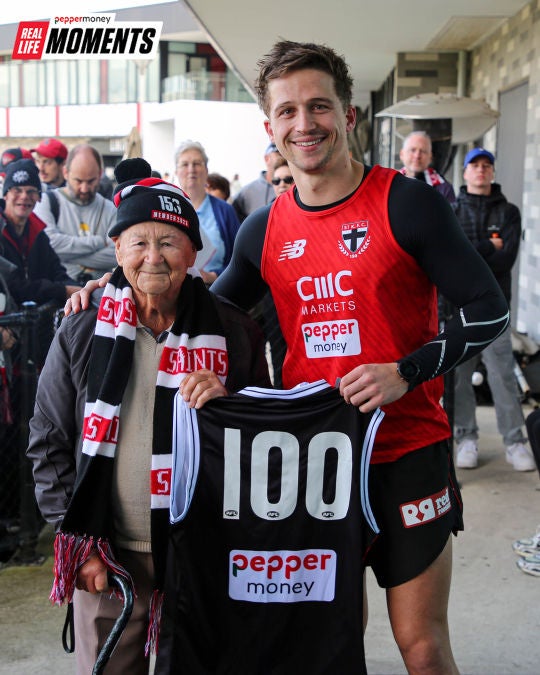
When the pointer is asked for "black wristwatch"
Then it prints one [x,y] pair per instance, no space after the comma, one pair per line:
[409,371]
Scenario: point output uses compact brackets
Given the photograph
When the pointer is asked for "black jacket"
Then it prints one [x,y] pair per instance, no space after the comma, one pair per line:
[484,217]
[41,277]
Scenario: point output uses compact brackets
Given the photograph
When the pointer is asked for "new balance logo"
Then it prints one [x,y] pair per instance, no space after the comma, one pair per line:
[292,249]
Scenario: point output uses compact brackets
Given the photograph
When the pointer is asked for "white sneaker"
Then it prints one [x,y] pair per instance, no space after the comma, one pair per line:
[467,454]
[529,545]
[530,565]
[520,457]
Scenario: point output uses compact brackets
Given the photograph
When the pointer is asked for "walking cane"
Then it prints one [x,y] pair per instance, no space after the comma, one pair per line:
[120,624]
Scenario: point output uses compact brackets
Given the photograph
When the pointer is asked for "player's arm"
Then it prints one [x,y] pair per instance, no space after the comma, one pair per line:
[424,224]
[241,281]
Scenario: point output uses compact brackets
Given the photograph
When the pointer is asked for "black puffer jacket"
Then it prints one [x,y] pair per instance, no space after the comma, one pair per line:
[484,217]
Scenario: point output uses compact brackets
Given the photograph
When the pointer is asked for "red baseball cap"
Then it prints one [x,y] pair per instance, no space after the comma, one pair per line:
[12,155]
[53,148]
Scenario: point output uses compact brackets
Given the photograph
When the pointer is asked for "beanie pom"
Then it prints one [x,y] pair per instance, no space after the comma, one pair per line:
[134,168]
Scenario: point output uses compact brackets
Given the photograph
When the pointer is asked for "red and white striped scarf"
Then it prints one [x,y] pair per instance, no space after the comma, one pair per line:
[430,176]
[196,340]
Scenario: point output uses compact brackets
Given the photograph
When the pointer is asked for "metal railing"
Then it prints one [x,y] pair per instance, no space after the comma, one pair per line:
[204,86]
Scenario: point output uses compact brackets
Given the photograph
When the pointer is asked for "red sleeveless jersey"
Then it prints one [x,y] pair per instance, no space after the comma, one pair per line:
[346,293]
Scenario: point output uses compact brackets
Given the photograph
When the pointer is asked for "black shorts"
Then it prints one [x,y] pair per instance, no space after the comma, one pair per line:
[417,503]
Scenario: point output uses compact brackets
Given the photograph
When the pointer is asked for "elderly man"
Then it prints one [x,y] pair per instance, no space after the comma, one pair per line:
[41,276]
[78,217]
[100,438]
[51,157]
[416,156]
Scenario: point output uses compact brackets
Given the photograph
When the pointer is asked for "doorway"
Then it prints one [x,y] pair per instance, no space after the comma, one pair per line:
[510,161]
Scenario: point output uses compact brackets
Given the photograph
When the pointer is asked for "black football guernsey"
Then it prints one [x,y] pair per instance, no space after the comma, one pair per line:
[270,523]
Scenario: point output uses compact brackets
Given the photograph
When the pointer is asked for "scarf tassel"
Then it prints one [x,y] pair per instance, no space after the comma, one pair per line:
[156,605]
[70,553]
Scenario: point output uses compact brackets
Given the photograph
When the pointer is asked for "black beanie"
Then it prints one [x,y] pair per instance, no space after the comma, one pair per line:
[140,198]
[21,172]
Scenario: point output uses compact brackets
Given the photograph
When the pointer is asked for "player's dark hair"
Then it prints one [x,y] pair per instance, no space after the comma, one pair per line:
[286,57]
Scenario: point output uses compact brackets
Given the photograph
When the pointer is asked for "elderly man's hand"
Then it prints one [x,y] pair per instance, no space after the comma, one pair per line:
[199,387]
[92,576]
[81,298]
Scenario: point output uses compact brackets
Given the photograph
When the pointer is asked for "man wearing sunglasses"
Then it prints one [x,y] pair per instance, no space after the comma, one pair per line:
[282,178]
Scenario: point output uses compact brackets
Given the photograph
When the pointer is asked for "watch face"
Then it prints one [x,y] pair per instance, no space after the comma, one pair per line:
[408,370]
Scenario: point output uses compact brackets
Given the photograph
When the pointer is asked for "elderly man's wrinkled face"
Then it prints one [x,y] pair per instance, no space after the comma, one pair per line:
[155,258]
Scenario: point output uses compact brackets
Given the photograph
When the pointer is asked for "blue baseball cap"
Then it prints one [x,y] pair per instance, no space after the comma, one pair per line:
[477,152]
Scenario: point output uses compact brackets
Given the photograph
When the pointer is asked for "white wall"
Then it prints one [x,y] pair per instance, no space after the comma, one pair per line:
[232,134]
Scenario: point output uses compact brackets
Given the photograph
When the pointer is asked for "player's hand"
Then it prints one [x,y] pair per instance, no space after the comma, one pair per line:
[92,576]
[372,385]
[208,277]
[199,387]
[81,298]
[70,290]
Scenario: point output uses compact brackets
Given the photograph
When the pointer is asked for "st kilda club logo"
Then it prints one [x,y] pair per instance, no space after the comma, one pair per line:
[354,238]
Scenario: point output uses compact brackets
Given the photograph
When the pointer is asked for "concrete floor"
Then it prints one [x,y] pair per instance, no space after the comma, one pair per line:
[494,607]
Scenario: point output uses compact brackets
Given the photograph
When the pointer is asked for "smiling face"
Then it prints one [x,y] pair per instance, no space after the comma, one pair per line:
[20,202]
[307,122]
[155,258]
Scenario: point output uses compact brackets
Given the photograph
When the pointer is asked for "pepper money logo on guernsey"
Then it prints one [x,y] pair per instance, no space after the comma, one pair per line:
[354,238]
[282,576]
[92,36]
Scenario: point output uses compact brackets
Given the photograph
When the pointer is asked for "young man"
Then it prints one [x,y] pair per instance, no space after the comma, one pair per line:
[493,226]
[51,157]
[352,256]
[40,275]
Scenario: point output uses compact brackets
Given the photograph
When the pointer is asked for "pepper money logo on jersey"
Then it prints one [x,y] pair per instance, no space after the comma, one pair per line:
[340,337]
[282,576]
